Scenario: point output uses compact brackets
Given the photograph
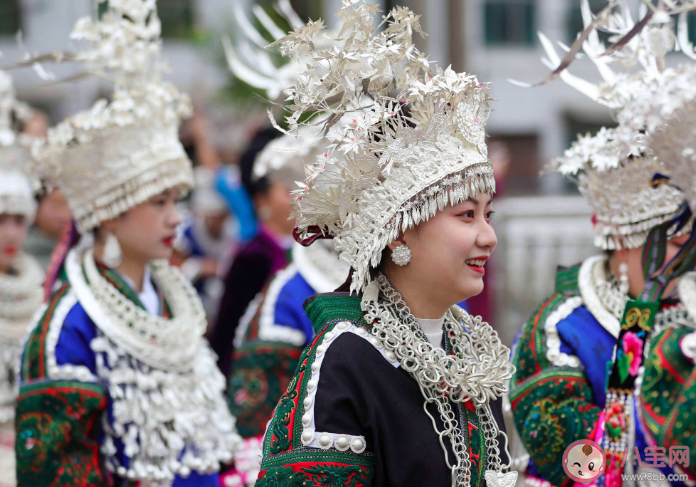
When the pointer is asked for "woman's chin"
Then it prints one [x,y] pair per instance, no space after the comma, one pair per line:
[7,261]
[160,254]
[471,289]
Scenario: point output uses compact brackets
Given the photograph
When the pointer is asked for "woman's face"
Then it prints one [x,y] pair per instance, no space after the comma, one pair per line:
[13,232]
[146,232]
[53,214]
[450,250]
[273,208]
[633,257]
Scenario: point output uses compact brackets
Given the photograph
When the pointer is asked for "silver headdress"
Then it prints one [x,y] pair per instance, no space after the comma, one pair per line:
[655,112]
[625,206]
[250,62]
[655,29]
[405,156]
[669,114]
[120,153]
[16,194]
[284,158]
[612,170]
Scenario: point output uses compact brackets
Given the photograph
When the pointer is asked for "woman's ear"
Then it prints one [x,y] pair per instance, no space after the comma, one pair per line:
[108,226]
[398,241]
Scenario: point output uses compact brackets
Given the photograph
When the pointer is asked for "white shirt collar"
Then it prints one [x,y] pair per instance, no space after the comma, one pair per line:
[148,296]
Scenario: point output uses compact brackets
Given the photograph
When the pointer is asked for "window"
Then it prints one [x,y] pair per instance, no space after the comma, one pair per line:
[576,126]
[177,16]
[308,10]
[691,23]
[575,24]
[515,158]
[10,17]
[509,22]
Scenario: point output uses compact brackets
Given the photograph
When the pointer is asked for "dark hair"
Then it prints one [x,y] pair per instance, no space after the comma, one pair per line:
[257,144]
[374,272]
[345,287]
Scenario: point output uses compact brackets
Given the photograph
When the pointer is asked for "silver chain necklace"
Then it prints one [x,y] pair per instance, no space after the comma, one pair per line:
[478,371]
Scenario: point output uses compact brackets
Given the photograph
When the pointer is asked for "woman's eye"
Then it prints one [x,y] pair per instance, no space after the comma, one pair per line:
[591,466]
[467,214]
[490,214]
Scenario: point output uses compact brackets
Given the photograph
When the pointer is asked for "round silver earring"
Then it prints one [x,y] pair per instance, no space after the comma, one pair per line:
[401,255]
[112,252]
[623,278]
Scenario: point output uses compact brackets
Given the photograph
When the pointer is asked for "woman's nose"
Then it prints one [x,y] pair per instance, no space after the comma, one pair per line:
[174,219]
[486,237]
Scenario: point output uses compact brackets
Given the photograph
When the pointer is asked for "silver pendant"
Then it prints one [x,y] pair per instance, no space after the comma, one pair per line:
[499,479]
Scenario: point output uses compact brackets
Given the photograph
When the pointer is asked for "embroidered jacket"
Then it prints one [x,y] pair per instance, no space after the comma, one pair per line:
[66,407]
[563,356]
[274,331]
[255,264]
[351,416]
[667,402]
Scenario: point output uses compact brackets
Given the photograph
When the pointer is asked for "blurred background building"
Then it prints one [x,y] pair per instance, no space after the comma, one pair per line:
[541,221]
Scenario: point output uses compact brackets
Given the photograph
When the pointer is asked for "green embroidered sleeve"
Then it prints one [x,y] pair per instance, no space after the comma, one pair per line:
[668,395]
[552,407]
[55,445]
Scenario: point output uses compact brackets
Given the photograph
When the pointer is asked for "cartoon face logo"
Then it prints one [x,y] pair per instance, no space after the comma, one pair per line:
[584,461]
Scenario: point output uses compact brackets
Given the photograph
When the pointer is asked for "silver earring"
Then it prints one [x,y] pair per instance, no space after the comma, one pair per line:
[623,278]
[401,255]
[112,252]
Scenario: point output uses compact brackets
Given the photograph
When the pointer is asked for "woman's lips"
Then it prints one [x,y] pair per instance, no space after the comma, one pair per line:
[10,250]
[476,264]
[169,241]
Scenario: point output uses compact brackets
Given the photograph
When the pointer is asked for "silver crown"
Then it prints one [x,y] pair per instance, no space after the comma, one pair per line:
[398,168]
[625,206]
[16,195]
[613,169]
[119,153]
[672,136]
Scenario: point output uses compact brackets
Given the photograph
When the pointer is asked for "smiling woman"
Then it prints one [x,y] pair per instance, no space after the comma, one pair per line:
[400,385]
[449,253]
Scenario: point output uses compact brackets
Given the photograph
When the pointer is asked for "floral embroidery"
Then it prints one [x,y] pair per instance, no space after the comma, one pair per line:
[262,372]
[552,406]
[667,399]
[54,423]
[630,355]
[305,467]
[632,347]
[615,420]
